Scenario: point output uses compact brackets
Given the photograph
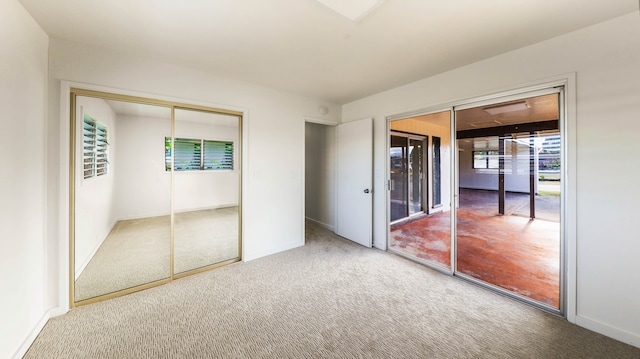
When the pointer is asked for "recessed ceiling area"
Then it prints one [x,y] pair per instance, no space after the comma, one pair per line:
[534,109]
[354,10]
[301,47]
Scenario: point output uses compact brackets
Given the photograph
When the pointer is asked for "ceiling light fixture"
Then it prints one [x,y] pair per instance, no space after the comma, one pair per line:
[511,107]
[354,10]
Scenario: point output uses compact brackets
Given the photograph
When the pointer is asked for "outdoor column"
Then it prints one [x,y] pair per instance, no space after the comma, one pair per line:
[532,175]
[501,189]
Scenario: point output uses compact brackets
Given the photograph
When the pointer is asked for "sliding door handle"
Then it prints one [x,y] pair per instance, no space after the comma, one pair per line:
[366,190]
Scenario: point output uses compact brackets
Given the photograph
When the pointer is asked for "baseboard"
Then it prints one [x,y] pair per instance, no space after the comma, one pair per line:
[220,206]
[176,210]
[609,331]
[26,344]
[84,264]
[494,189]
[267,252]
[321,224]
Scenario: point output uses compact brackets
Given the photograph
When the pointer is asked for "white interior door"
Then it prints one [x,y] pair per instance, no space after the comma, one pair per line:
[354,187]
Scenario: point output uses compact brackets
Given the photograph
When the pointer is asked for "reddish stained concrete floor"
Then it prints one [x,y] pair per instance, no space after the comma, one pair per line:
[510,251]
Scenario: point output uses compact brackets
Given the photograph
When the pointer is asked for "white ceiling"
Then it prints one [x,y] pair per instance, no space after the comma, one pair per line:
[132,109]
[304,47]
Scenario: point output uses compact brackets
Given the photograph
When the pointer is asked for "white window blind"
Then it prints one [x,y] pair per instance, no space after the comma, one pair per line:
[218,155]
[94,148]
[88,147]
[187,154]
[101,149]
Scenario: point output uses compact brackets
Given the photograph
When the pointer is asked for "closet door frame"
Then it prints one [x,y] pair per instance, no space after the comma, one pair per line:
[68,94]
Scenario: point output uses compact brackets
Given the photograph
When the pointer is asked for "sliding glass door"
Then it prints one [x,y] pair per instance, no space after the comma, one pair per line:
[407,156]
[416,176]
[491,193]
[508,218]
[420,223]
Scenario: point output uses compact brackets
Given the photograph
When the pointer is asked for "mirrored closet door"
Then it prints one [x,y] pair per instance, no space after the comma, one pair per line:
[155,192]
[206,193]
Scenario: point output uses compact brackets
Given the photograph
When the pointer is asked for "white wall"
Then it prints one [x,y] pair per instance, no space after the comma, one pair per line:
[605,58]
[320,174]
[273,129]
[144,187]
[95,195]
[23,90]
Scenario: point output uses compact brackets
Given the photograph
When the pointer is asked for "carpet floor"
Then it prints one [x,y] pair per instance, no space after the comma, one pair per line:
[328,299]
[138,251]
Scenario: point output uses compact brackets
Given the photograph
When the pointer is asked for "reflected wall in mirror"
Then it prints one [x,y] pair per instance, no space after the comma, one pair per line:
[206,189]
[122,234]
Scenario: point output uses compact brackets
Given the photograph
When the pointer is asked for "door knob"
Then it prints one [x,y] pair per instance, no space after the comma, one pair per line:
[366,190]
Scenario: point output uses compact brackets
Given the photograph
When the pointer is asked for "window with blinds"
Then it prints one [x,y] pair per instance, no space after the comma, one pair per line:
[94,148]
[485,159]
[198,154]
[217,155]
[101,150]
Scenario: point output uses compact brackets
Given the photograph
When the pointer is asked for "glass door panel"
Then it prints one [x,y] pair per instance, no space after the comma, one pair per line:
[508,219]
[437,177]
[416,156]
[206,180]
[420,225]
[399,177]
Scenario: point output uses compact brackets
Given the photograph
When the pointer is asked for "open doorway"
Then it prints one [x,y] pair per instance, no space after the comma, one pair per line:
[320,175]
[338,179]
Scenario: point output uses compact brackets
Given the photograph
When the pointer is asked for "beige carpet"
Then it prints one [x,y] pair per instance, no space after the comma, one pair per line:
[330,299]
[138,251]
[205,237]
